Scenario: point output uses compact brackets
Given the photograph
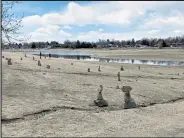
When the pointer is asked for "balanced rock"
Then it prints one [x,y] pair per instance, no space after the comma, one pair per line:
[100,101]
[128,100]
[119,76]
[122,69]
[9,61]
[48,66]
[99,69]
[39,63]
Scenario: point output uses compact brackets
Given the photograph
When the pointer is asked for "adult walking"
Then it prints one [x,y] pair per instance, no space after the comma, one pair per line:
[40,55]
[49,55]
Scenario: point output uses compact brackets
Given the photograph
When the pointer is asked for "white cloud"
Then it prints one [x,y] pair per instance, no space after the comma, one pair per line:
[104,13]
[100,29]
[96,35]
[81,25]
[101,13]
[177,31]
[32,20]
[153,31]
[166,16]
[49,33]
[167,21]
[67,27]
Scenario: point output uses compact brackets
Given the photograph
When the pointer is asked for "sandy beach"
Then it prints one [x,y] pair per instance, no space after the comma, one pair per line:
[54,102]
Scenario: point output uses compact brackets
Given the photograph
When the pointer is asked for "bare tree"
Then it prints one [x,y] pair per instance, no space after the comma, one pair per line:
[11,24]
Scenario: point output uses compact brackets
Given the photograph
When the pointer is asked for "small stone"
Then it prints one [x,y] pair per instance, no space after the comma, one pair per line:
[117,87]
[130,104]
[126,88]
[39,63]
[119,76]
[122,69]
[99,69]
[9,61]
[48,66]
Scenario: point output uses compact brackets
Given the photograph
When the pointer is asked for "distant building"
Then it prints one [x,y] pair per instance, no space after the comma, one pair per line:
[176,44]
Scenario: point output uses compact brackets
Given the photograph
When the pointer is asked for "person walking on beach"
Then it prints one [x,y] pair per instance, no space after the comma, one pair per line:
[40,55]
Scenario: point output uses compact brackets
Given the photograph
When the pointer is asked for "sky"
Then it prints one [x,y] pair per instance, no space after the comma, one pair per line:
[94,20]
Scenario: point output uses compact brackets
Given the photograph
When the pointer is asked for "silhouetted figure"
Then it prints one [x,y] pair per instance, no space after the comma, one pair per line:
[40,55]
[49,55]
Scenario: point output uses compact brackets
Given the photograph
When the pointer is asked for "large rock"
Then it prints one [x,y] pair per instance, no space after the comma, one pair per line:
[128,100]
[100,101]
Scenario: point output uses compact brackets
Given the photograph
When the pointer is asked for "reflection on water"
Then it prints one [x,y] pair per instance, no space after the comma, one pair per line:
[90,57]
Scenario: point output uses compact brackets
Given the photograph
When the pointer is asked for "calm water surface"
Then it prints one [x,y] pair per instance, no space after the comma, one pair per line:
[91,57]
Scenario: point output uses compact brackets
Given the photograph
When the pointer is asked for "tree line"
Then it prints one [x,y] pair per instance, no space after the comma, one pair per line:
[146,42]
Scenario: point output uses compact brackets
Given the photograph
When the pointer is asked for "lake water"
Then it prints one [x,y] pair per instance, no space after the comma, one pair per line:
[91,57]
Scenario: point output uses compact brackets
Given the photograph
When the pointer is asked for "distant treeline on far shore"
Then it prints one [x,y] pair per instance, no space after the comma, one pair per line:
[145,42]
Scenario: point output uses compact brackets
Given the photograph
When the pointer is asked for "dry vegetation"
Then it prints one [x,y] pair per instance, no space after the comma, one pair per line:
[55,102]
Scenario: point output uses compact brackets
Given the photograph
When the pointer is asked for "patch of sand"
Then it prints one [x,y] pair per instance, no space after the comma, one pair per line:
[29,88]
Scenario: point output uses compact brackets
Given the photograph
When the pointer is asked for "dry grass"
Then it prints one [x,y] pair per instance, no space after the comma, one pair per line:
[64,95]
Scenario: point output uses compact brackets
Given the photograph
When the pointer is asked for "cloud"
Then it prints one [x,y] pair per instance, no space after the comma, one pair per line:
[153,31]
[122,13]
[96,35]
[49,33]
[109,13]
[32,20]
[136,19]
[177,31]
[167,21]
[67,27]
[100,29]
